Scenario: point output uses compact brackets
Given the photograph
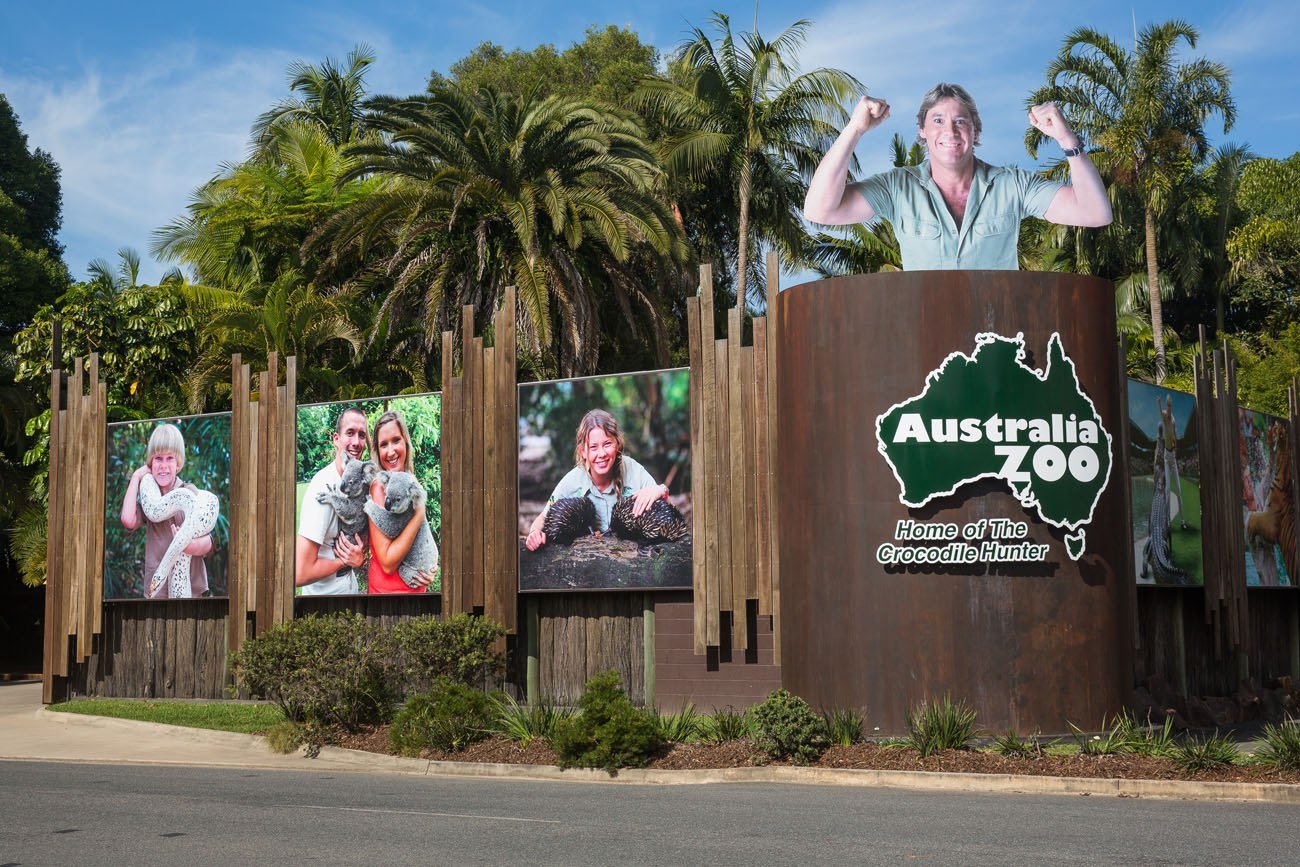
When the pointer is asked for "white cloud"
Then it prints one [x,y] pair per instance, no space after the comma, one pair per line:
[133,144]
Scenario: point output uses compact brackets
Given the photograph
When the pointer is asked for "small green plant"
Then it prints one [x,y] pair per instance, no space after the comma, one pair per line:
[940,725]
[449,717]
[785,727]
[1119,739]
[1150,741]
[461,647]
[892,743]
[1013,746]
[338,669]
[608,731]
[1194,754]
[844,726]
[726,724]
[1281,749]
[524,723]
[682,727]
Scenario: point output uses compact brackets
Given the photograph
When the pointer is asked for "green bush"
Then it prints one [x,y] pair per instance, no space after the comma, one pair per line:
[844,726]
[337,669]
[1281,750]
[524,723]
[608,731]
[940,725]
[681,727]
[1013,746]
[460,647]
[1122,737]
[785,727]
[449,717]
[1194,754]
[727,724]
[1151,741]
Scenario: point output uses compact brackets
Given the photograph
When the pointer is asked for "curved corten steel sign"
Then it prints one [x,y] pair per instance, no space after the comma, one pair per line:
[951,516]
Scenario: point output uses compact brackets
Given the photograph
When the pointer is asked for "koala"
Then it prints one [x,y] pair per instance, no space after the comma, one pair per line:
[402,493]
[349,497]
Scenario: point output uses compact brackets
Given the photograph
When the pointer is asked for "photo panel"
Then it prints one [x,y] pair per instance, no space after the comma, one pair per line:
[593,454]
[1267,501]
[1164,463]
[167,508]
[385,452]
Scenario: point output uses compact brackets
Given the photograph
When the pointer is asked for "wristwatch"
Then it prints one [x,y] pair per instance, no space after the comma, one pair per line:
[1074,151]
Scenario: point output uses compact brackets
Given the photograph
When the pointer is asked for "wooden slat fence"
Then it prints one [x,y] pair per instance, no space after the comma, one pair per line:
[479,472]
[75,530]
[733,433]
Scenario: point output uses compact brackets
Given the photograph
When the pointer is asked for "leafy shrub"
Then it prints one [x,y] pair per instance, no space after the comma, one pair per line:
[449,717]
[286,737]
[785,727]
[844,726]
[524,723]
[1150,741]
[460,647]
[682,727]
[608,731]
[1194,754]
[337,669]
[1281,749]
[1013,746]
[727,724]
[940,725]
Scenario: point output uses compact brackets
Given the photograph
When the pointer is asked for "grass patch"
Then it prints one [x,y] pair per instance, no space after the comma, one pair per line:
[221,716]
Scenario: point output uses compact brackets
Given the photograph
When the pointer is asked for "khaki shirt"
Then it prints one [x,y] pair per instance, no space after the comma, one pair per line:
[929,238]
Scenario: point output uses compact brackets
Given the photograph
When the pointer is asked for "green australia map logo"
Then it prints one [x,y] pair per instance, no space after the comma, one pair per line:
[989,415]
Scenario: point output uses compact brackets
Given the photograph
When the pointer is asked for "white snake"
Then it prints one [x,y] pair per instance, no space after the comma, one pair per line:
[200,509]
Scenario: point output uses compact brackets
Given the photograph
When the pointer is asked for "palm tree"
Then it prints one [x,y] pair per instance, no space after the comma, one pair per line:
[1145,115]
[331,100]
[741,113]
[482,190]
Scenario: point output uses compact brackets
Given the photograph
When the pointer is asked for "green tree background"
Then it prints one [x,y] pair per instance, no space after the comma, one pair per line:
[207,466]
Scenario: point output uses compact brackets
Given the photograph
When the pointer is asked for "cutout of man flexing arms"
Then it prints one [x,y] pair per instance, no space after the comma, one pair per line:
[955,211]
[326,560]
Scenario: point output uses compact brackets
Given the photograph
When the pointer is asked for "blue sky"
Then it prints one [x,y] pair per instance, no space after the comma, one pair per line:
[140,103]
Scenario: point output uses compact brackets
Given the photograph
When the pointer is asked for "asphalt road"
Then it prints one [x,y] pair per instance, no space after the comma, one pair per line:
[70,814]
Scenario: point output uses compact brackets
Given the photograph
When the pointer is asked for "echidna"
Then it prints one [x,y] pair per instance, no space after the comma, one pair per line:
[659,523]
[569,518]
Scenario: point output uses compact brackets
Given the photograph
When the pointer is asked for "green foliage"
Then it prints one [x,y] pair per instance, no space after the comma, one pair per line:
[286,737]
[449,717]
[460,648]
[940,725]
[682,727]
[844,726]
[785,727]
[28,544]
[1265,367]
[1119,739]
[726,724]
[524,723]
[1281,749]
[1151,741]
[1013,746]
[1194,754]
[606,66]
[338,669]
[207,467]
[608,731]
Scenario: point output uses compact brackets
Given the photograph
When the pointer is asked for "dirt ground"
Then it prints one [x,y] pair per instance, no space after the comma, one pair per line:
[741,754]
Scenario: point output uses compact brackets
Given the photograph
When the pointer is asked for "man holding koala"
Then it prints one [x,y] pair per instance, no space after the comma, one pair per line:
[326,560]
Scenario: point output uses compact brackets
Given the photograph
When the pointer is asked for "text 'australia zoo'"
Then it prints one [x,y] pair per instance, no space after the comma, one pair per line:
[990,415]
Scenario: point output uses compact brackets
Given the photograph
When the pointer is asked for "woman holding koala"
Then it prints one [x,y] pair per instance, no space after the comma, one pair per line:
[394,453]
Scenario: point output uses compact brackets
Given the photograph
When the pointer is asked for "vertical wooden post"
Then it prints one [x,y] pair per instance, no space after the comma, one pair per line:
[534,627]
[54,533]
[648,647]
[771,552]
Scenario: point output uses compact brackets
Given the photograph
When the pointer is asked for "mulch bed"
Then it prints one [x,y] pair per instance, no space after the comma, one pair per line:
[741,754]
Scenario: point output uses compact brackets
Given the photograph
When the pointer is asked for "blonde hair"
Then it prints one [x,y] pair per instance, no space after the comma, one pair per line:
[166,438]
[385,418]
[599,418]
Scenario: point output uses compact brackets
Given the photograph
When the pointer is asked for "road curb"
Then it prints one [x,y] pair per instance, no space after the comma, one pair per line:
[935,781]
